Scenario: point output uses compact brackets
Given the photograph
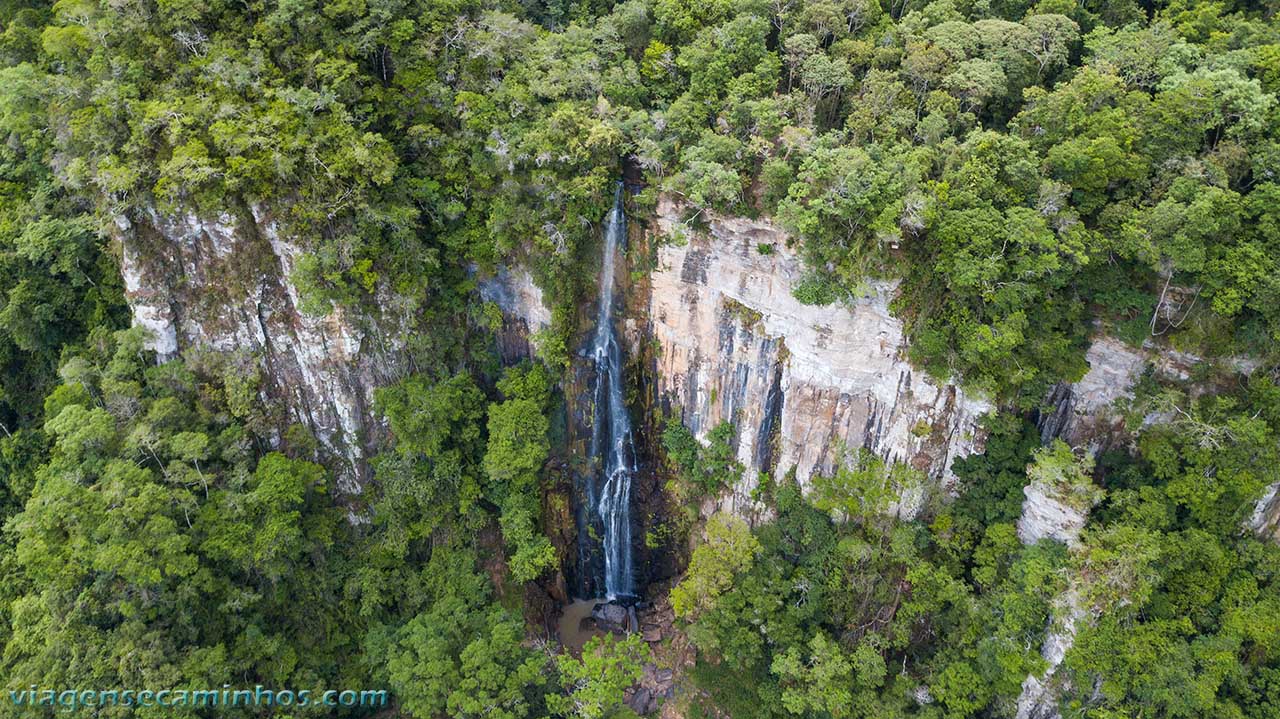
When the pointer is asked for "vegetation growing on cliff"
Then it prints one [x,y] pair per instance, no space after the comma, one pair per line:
[1030,170]
[1023,166]
[847,614]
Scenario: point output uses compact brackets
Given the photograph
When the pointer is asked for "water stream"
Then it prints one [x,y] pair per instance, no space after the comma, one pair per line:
[611,437]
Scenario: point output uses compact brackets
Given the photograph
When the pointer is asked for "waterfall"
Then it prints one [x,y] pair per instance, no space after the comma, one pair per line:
[611,440]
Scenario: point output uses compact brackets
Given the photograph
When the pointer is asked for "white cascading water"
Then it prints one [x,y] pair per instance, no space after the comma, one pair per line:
[611,440]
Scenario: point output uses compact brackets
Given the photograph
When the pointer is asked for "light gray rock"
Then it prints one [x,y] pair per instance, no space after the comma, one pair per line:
[735,344]
[1086,414]
[610,616]
[1045,515]
[1265,519]
[223,283]
[1039,697]
[513,290]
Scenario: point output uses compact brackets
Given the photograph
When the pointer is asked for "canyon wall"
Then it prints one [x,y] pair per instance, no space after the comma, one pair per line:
[730,342]
[798,381]
[222,283]
[523,309]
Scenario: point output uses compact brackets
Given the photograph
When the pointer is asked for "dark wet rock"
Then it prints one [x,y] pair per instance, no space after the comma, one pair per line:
[611,617]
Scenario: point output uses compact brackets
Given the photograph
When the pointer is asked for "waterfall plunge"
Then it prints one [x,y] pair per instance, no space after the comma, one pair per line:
[611,441]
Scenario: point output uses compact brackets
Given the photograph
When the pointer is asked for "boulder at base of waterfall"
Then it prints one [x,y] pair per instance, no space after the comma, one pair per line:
[610,617]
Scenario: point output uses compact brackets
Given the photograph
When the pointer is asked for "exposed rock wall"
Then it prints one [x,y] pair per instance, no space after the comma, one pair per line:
[222,283]
[1086,414]
[734,344]
[1045,515]
[1039,698]
[525,312]
[1265,519]
[1056,511]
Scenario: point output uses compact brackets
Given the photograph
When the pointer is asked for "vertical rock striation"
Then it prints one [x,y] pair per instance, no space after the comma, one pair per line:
[1265,519]
[222,283]
[734,344]
[1087,413]
[522,306]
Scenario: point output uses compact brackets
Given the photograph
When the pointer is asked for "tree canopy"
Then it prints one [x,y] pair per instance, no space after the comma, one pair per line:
[1033,174]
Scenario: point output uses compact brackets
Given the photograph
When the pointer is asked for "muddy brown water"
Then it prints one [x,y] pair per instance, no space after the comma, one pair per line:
[572,636]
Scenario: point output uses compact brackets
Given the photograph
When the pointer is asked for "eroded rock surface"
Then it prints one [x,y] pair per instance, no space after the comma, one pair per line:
[1265,519]
[1046,516]
[1086,414]
[514,292]
[735,344]
[222,283]
[1039,698]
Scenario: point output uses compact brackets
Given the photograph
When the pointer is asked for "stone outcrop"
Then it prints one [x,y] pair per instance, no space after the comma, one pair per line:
[1059,496]
[1086,414]
[733,343]
[222,283]
[1039,698]
[520,300]
[1046,516]
[1057,511]
[1265,519]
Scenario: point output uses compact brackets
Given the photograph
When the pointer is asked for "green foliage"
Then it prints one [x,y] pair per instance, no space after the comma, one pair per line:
[829,681]
[594,684]
[150,520]
[729,549]
[703,470]
[517,448]
[436,466]
[152,510]
[863,486]
[462,659]
[1027,170]
[1065,475]
[1176,607]
[990,483]
[816,290]
[819,621]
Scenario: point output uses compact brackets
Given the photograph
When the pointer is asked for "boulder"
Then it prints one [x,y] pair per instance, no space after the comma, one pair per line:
[610,617]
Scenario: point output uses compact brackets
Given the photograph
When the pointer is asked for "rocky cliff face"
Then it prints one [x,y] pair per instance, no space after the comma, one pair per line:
[1265,519]
[798,381]
[1086,414]
[221,283]
[732,343]
[1045,515]
[523,309]
[1039,698]
[1057,511]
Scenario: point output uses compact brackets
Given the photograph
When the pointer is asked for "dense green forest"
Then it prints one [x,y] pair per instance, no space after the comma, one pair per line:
[1034,172]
